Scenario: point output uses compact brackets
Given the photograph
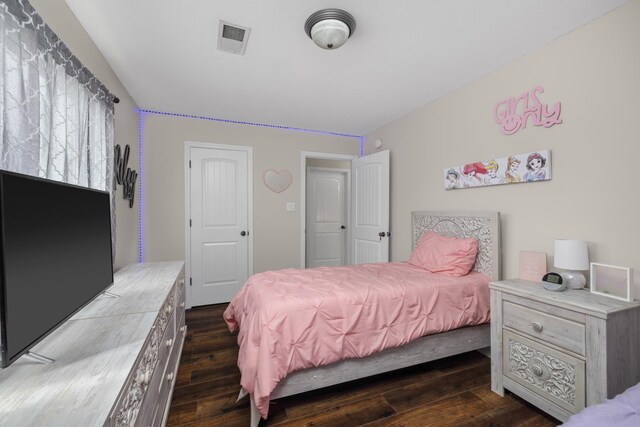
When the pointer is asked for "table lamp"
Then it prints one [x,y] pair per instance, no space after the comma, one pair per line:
[572,255]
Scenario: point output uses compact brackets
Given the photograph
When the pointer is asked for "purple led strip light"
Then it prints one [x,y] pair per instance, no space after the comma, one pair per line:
[237,122]
[264,125]
[140,178]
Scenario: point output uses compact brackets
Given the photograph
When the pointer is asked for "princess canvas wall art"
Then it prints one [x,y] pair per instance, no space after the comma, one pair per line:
[527,167]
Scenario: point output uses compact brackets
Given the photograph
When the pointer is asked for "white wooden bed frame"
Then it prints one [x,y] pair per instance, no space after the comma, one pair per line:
[485,226]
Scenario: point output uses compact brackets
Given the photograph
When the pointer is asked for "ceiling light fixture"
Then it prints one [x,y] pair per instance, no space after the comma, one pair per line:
[330,28]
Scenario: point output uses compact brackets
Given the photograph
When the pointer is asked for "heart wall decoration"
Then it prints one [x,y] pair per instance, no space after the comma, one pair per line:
[277,181]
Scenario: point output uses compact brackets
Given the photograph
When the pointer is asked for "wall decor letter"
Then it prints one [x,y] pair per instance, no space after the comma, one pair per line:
[124,175]
[512,114]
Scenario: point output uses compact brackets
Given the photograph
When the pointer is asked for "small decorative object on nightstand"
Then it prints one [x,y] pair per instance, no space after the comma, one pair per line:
[533,265]
[561,351]
[572,255]
[553,282]
[612,281]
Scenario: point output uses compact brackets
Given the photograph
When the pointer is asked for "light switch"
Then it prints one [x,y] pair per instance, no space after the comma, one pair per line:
[291,206]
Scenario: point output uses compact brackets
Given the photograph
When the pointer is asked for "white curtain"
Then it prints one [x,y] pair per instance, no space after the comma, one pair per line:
[56,118]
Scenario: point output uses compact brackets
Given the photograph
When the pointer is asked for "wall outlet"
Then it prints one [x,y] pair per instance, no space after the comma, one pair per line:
[291,206]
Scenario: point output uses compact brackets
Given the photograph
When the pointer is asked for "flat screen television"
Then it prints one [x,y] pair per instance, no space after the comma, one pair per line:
[55,256]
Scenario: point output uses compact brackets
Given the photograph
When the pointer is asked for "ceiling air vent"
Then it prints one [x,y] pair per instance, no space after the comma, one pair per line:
[232,38]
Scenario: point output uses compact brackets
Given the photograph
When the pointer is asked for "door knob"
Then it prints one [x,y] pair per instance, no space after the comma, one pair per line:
[342,227]
[381,234]
[243,233]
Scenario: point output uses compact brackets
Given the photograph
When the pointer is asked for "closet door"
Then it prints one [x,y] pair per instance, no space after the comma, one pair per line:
[370,211]
[219,231]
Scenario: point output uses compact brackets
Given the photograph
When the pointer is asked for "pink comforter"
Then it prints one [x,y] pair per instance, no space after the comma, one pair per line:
[295,319]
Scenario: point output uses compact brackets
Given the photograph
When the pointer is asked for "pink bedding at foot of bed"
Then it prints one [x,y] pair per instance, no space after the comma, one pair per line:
[295,319]
[621,411]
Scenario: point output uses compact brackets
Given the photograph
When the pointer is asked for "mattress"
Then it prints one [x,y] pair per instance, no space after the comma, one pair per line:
[295,319]
[621,411]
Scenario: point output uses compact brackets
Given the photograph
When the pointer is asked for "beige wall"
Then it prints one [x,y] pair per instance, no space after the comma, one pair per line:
[276,232]
[63,22]
[595,72]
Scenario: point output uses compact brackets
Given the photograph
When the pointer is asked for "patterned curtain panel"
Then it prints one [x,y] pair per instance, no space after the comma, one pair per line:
[56,118]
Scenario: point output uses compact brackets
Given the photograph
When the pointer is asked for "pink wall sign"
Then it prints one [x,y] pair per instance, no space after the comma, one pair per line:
[512,114]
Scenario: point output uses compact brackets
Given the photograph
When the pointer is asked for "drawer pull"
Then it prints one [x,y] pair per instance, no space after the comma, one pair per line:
[537,326]
[183,328]
[170,377]
[539,369]
[169,342]
[182,304]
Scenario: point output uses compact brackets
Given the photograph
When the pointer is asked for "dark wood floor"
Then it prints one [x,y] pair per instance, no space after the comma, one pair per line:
[450,392]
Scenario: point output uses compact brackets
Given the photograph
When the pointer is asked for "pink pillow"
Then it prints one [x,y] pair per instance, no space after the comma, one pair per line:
[448,255]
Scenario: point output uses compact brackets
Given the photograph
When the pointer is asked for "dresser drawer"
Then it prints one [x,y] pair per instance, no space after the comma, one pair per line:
[180,306]
[555,330]
[166,344]
[146,413]
[180,281]
[129,404]
[552,374]
[169,380]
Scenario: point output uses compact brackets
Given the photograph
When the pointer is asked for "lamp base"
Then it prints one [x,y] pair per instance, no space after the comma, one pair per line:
[574,279]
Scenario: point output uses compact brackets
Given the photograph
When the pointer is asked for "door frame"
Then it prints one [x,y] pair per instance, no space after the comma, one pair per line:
[304,155]
[187,207]
[347,207]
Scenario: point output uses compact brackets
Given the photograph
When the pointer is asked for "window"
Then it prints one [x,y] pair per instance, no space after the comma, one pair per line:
[56,118]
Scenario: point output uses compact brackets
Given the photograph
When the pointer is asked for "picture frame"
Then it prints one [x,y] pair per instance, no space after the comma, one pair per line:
[533,166]
[612,281]
[533,265]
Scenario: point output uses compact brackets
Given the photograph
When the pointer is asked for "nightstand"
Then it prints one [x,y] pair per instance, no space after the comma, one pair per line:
[562,351]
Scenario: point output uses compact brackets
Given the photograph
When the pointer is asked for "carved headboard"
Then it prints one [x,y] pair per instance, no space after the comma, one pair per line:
[484,226]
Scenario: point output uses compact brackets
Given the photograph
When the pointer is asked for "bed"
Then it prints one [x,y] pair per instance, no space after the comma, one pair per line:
[413,316]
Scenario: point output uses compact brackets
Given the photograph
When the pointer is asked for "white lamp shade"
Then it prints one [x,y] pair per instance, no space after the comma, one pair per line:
[571,255]
[330,33]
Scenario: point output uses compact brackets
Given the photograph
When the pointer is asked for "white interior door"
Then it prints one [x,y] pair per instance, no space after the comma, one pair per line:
[326,217]
[219,247]
[370,211]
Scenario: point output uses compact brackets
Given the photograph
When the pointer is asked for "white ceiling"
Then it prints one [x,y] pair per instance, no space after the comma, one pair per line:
[403,54]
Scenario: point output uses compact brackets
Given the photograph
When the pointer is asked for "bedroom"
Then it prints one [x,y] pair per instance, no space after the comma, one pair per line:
[593,70]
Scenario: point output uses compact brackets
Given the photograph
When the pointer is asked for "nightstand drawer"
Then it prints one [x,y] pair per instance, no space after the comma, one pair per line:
[554,375]
[555,330]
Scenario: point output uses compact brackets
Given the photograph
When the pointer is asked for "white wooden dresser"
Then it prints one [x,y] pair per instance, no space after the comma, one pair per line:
[562,351]
[115,361]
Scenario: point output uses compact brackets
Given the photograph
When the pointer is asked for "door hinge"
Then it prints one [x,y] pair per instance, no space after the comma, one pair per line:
[190,281]
[189,223]
[189,164]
